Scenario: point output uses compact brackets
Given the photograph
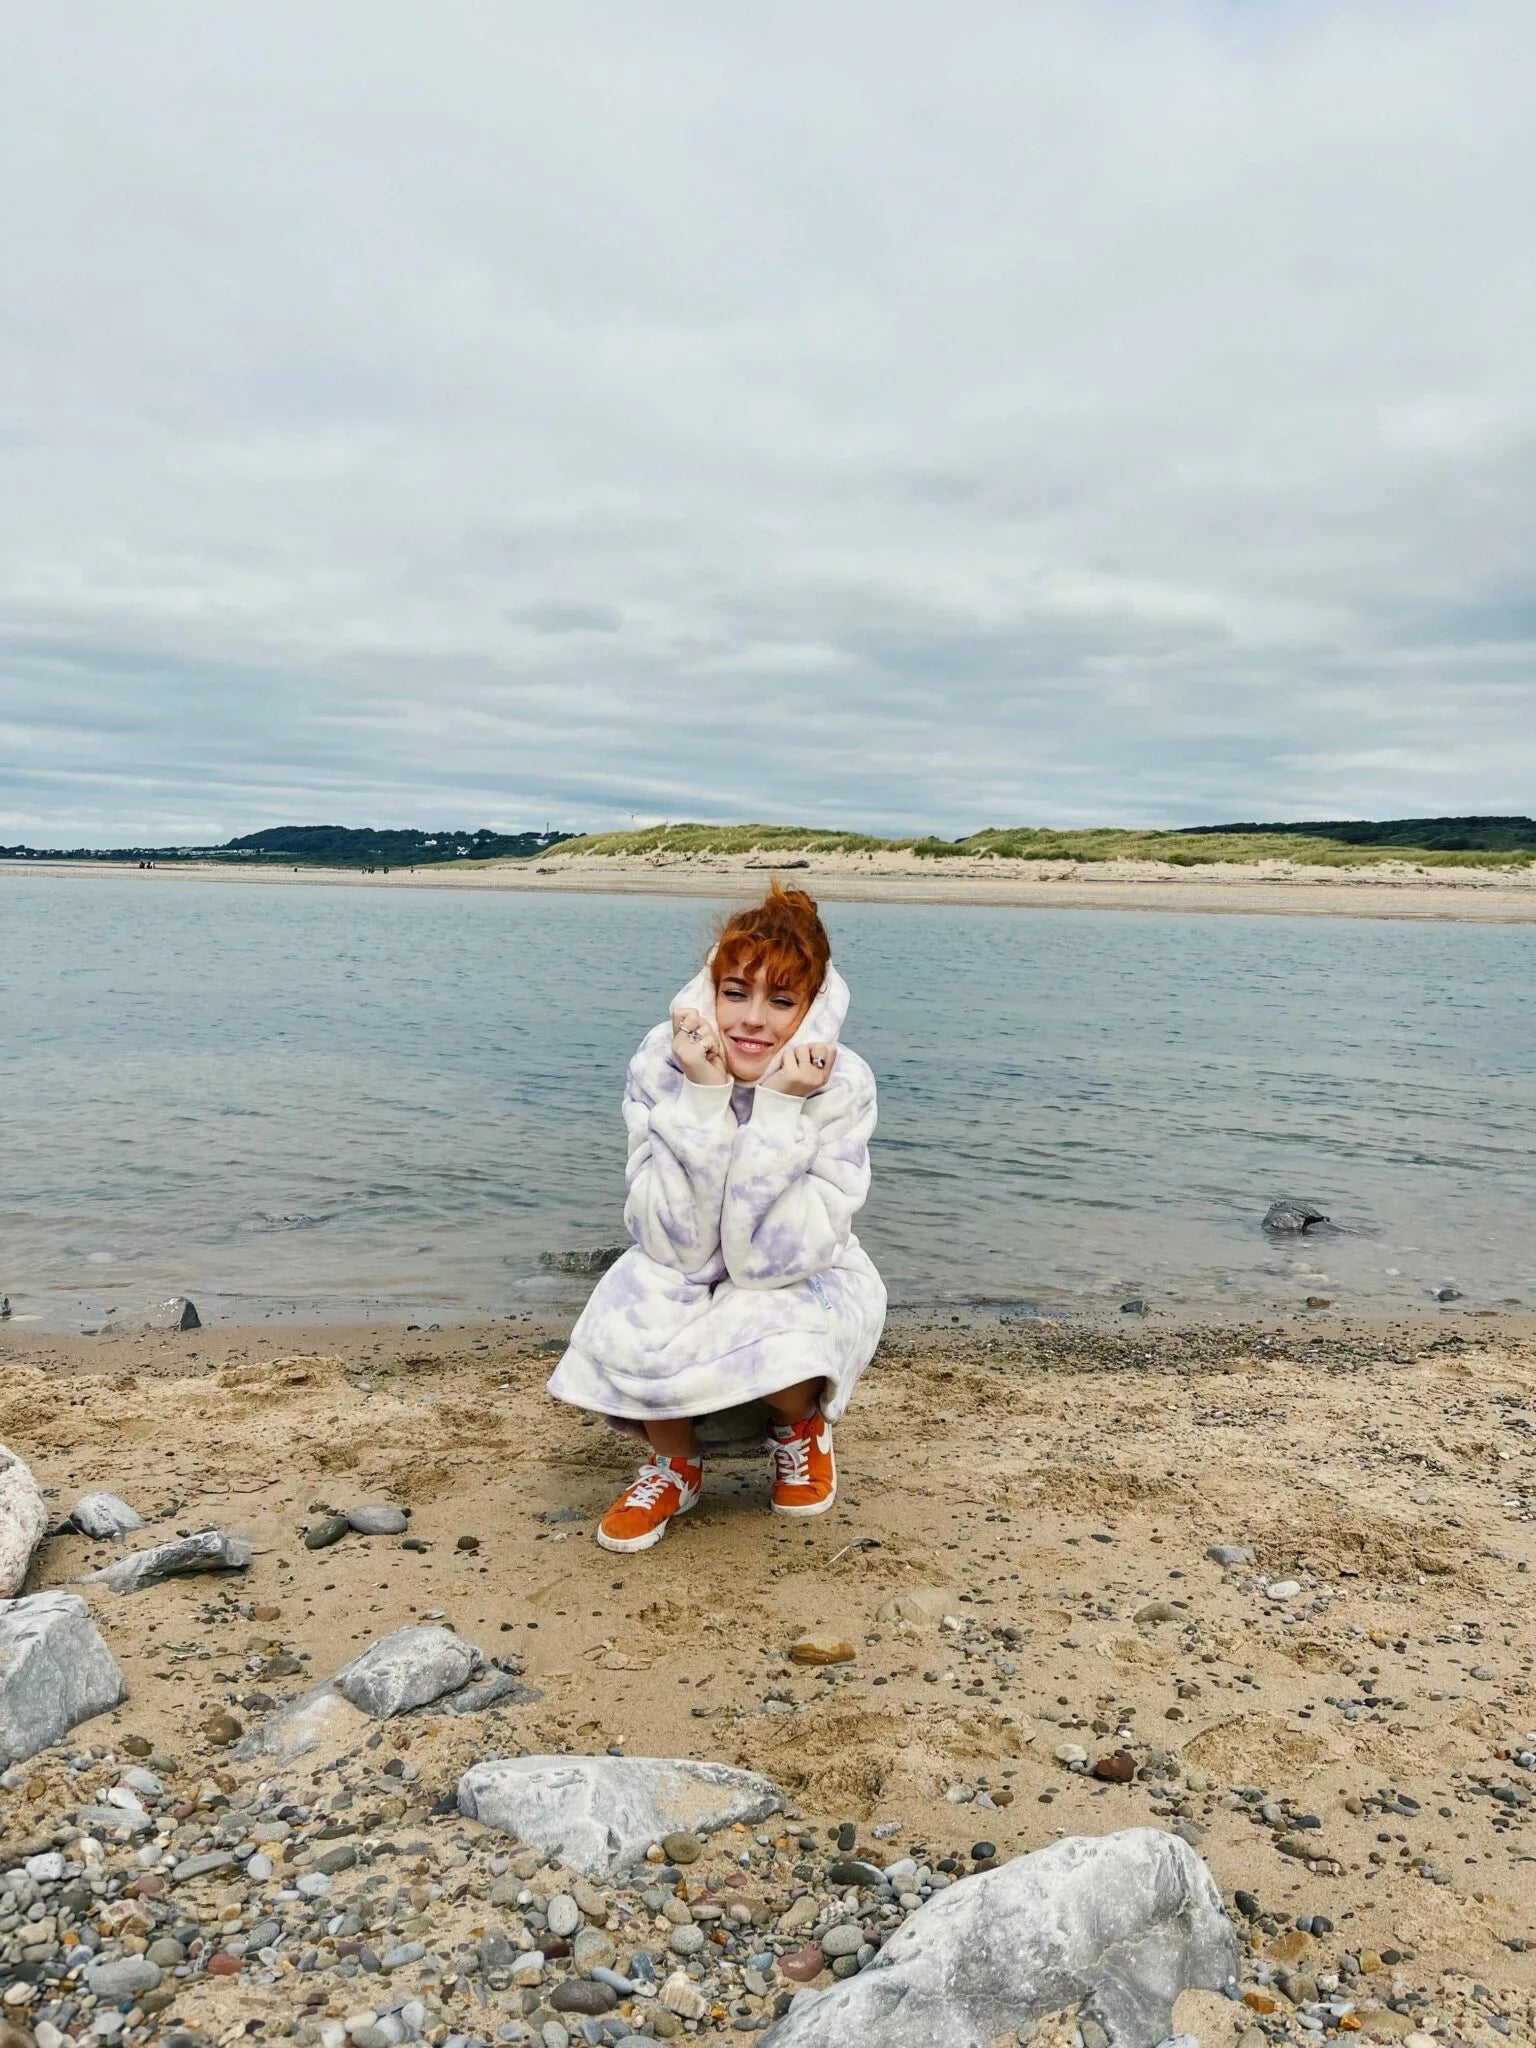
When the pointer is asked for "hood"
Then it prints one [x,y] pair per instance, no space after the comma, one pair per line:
[822,1023]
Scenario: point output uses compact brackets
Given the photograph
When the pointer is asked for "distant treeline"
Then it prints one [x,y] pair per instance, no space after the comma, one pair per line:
[1428,842]
[330,846]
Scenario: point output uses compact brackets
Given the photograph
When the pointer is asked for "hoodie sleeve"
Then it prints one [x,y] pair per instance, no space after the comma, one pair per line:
[799,1174]
[679,1154]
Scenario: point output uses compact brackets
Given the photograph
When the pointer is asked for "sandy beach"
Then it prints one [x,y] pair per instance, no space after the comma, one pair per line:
[1018,1561]
[1399,889]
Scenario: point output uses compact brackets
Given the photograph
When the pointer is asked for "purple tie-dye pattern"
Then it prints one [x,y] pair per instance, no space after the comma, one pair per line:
[745,1275]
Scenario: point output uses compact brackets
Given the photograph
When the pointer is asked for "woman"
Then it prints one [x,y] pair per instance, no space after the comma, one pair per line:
[749,1133]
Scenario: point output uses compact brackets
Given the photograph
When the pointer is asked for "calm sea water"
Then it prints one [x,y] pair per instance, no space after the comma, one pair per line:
[330,1101]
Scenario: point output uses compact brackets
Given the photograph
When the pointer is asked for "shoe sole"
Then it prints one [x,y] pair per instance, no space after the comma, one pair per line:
[626,1544]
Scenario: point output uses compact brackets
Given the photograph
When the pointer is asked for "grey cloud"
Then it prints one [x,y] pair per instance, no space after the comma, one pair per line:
[913,420]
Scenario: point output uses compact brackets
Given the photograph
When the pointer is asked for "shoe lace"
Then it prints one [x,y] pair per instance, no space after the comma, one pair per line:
[792,1459]
[650,1484]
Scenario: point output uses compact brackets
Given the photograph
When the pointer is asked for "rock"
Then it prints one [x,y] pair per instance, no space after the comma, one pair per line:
[580,1995]
[23,1522]
[801,1964]
[122,1978]
[378,1518]
[496,1689]
[852,1871]
[1227,1555]
[600,1814]
[1134,1307]
[1120,1923]
[317,1716]
[843,1940]
[408,1669]
[1070,1753]
[1446,1293]
[563,1915]
[1319,1301]
[174,1313]
[1116,1769]
[682,1847]
[918,1603]
[584,1263]
[1282,1589]
[55,1671]
[328,1530]
[1287,1216]
[821,1649]
[681,1995]
[210,1550]
[221,1728]
[1157,1610]
[104,1516]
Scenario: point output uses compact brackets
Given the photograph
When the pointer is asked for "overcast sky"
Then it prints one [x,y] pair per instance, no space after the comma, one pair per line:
[901,416]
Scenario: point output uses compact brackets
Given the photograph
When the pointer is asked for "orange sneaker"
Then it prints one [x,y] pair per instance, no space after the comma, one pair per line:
[804,1469]
[662,1488]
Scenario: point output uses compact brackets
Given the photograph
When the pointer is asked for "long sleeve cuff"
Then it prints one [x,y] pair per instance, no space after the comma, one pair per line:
[774,1113]
[705,1102]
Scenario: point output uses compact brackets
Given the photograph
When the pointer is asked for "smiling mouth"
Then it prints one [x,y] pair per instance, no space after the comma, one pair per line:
[752,1048]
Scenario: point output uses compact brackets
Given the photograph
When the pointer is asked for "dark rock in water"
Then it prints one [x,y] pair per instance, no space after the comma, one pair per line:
[1287,1216]
[1447,1293]
[587,1263]
[1134,1307]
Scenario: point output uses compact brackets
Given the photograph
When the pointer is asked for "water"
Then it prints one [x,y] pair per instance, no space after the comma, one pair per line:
[332,1101]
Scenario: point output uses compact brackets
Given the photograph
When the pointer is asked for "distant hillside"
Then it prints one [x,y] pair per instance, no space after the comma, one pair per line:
[331,846]
[1430,842]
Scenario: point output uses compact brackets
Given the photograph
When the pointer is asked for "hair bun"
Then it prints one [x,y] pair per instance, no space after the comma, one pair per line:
[783,935]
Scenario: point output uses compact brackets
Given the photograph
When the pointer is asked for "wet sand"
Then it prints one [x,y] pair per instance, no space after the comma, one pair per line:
[1393,889]
[1061,1483]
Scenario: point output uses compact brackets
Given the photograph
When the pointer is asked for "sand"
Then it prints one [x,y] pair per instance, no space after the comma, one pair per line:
[1057,1481]
[1397,889]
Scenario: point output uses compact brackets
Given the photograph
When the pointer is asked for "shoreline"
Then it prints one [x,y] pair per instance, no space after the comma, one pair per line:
[1366,1676]
[1389,889]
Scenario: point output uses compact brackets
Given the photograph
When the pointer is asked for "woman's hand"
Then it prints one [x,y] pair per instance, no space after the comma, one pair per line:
[696,1048]
[806,1069]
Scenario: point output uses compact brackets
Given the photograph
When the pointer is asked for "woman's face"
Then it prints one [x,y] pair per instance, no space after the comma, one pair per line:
[755,1021]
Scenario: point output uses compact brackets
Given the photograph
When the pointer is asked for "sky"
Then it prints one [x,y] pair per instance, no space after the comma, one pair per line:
[902,417]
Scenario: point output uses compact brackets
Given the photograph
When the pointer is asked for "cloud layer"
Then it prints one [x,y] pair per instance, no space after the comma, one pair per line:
[900,417]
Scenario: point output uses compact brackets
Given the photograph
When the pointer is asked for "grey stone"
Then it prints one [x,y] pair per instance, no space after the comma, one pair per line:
[205,1865]
[1229,1554]
[210,1550]
[131,1820]
[408,1669]
[1120,1923]
[563,1915]
[918,1604]
[378,1518]
[845,1940]
[1288,1216]
[104,1516]
[317,1716]
[122,1978]
[496,1689]
[23,1522]
[600,1814]
[328,1530]
[176,1312]
[55,1671]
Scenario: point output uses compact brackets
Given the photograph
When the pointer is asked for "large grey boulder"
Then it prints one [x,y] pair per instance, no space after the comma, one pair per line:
[55,1671]
[104,1515]
[408,1669]
[599,1814]
[210,1550]
[174,1313]
[1119,1923]
[23,1521]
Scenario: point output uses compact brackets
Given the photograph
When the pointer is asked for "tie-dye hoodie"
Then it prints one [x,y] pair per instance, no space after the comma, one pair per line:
[745,1275]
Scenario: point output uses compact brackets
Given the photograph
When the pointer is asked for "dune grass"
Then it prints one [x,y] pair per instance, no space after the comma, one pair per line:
[1091,845]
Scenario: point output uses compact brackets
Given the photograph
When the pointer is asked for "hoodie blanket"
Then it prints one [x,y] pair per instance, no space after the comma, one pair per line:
[745,1275]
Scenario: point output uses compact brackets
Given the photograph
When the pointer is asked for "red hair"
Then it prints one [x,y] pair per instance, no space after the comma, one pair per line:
[782,936]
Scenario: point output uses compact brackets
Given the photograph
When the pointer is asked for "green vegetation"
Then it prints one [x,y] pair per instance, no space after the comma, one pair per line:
[1427,842]
[327,846]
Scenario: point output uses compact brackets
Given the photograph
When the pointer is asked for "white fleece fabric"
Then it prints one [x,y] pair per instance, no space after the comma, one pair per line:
[745,1275]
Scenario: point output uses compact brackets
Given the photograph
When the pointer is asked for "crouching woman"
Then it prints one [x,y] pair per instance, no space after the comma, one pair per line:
[749,1128]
